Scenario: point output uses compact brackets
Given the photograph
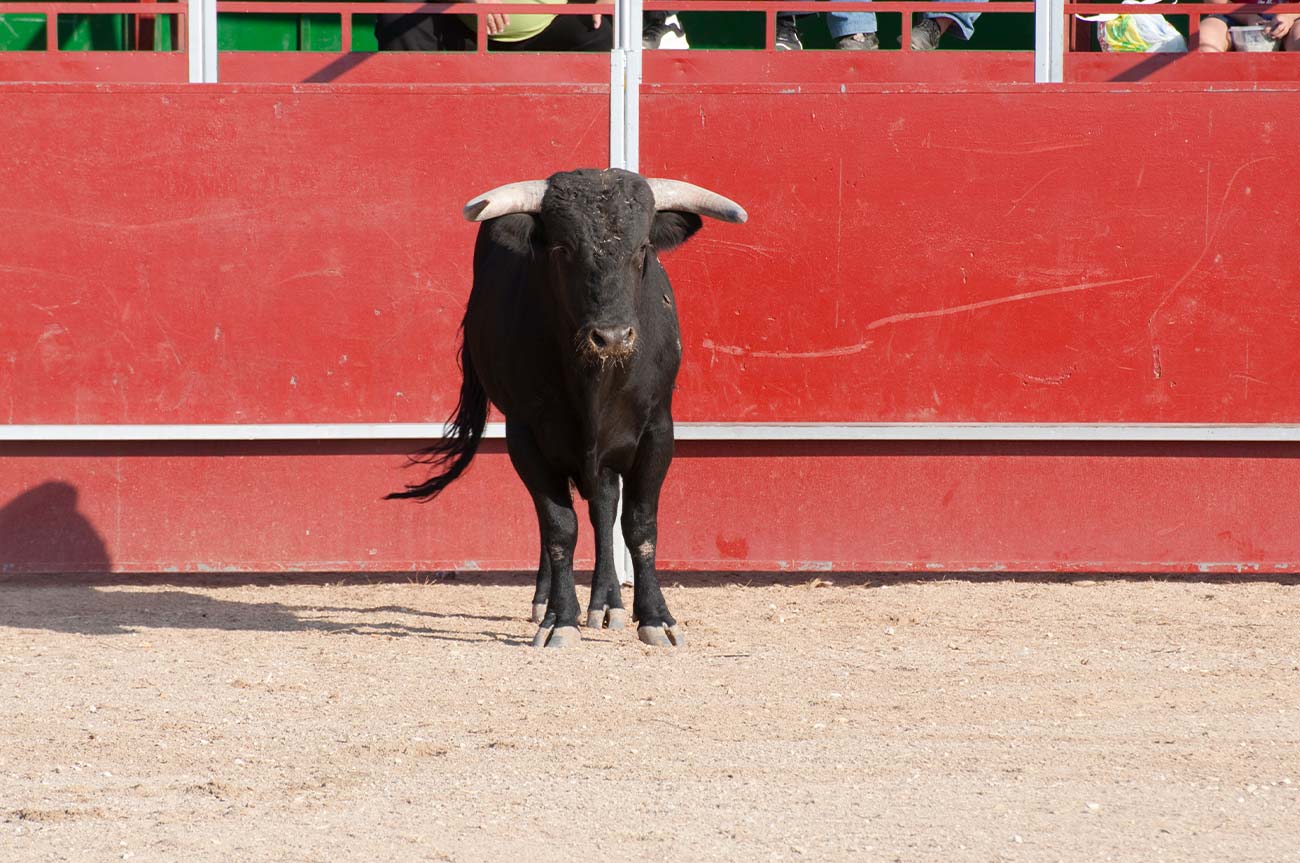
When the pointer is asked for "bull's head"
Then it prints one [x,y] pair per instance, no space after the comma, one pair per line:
[600,232]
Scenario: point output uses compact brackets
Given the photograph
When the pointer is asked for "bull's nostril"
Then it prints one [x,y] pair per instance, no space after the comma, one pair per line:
[605,339]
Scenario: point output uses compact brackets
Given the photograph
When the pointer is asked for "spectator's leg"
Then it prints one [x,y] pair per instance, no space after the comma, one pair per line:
[927,38]
[663,30]
[1291,41]
[845,24]
[406,33]
[566,33]
[964,21]
[423,33]
[787,32]
[1214,35]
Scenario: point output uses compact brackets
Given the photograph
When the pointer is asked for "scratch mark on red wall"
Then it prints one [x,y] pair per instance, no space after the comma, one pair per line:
[1013,298]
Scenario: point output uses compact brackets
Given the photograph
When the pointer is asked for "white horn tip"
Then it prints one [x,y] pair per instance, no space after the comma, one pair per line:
[473,210]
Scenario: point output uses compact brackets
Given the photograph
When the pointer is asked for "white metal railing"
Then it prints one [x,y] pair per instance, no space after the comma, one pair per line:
[819,431]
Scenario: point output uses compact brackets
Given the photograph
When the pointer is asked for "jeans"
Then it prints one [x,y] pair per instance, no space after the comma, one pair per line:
[843,24]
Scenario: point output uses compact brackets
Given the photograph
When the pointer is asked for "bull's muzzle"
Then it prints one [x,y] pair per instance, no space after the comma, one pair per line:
[611,343]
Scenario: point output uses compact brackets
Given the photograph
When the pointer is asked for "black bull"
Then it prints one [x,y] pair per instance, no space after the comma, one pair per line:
[571,331]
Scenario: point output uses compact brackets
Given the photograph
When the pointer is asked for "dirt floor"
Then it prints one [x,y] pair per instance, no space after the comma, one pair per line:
[849,717]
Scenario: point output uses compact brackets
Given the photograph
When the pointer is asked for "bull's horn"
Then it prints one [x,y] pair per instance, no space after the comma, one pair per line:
[525,197]
[690,198]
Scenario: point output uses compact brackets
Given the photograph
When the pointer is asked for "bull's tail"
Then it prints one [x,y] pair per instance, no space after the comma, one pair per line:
[451,456]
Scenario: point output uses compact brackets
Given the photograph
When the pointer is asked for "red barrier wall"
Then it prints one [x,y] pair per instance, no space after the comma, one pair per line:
[254,507]
[697,67]
[273,255]
[998,254]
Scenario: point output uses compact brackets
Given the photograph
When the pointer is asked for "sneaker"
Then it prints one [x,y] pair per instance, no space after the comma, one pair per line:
[666,34]
[787,35]
[858,42]
[925,35]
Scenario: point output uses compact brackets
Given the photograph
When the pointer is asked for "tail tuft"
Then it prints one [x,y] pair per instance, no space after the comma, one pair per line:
[451,455]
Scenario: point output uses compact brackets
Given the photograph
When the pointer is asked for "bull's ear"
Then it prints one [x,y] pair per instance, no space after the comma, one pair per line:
[670,229]
[516,233]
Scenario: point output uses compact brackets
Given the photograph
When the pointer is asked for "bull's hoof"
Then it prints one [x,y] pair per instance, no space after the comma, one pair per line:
[560,636]
[662,636]
[609,618]
[539,612]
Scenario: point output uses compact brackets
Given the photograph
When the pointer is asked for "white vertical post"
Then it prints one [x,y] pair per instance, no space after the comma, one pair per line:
[1049,41]
[202,33]
[624,152]
[622,556]
[625,86]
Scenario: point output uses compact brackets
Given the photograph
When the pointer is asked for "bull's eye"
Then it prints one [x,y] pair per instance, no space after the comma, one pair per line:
[561,254]
[641,257]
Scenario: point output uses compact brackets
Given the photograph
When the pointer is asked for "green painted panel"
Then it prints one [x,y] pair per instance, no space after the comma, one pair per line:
[80,32]
[363,33]
[22,32]
[279,33]
[92,32]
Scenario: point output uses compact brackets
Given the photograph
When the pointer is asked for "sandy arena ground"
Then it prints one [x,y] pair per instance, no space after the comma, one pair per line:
[871,718]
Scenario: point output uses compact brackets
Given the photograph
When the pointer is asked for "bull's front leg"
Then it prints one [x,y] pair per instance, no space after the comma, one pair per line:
[542,590]
[641,531]
[606,606]
[558,524]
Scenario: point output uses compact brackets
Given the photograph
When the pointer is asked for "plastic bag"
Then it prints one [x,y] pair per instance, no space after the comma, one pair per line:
[1145,33]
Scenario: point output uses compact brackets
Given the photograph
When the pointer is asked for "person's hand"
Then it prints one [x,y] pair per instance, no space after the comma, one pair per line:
[495,22]
[1281,26]
[595,19]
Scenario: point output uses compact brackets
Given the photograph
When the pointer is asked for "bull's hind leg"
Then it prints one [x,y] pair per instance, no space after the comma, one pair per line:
[641,531]
[558,524]
[606,606]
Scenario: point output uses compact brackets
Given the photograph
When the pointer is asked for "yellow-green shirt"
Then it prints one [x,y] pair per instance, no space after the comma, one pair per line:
[521,27]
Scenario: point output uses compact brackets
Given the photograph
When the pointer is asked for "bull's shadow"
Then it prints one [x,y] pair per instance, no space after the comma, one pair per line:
[89,605]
